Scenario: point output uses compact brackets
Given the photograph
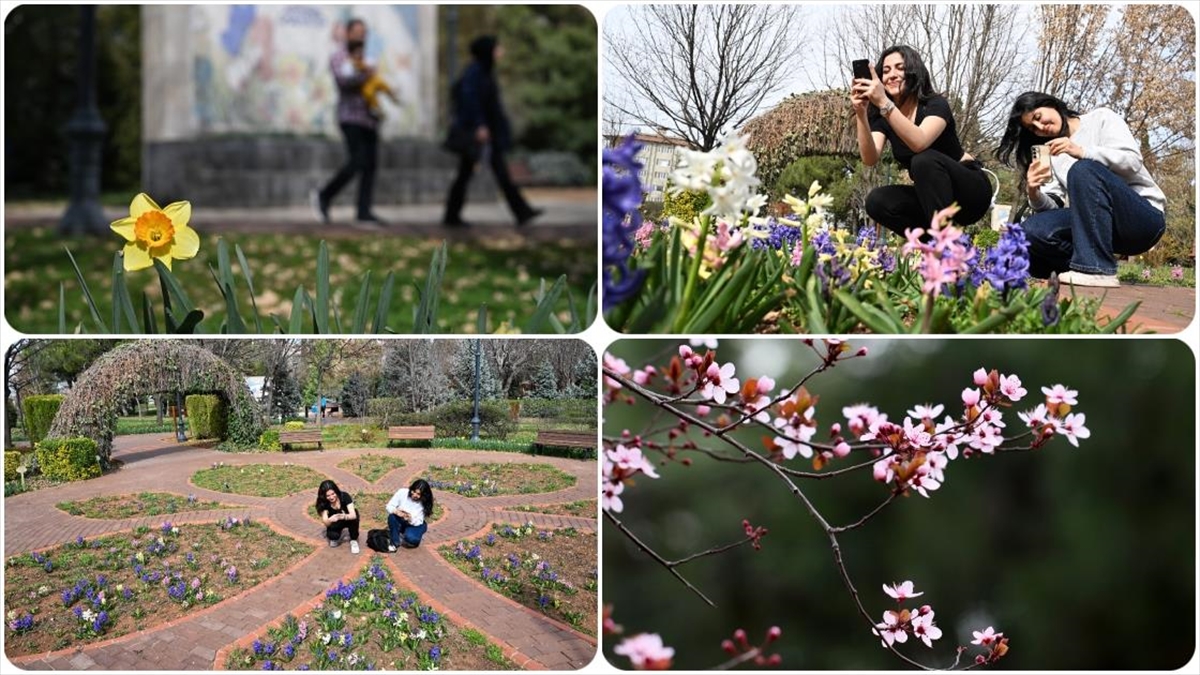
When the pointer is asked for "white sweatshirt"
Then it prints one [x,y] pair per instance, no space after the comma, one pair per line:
[1105,138]
[401,502]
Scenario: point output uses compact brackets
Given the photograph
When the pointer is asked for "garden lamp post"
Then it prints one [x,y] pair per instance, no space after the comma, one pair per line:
[180,434]
[475,417]
[85,133]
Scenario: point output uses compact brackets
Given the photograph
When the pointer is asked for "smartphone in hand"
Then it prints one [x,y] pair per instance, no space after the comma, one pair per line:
[862,71]
[1041,155]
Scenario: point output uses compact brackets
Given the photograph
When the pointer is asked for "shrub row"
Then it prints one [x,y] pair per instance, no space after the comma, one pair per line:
[68,458]
[451,419]
[562,409]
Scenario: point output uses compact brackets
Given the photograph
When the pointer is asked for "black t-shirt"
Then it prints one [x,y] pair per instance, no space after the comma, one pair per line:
[947,142]
[345,499]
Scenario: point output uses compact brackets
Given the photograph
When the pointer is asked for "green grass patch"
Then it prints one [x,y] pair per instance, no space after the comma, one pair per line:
[584,509]
[1131,272]
[371,467]
[503,273]
[141,504]
[258,480]
[482,444]
[488,480]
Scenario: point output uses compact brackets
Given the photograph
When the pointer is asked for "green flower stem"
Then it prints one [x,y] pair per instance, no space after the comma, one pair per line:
[693,274]
[927,319]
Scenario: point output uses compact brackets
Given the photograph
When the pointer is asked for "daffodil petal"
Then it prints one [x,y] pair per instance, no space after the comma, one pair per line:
[187,242]
[179,213]
[141,204]
[166,260]
[137,258]
[124,227]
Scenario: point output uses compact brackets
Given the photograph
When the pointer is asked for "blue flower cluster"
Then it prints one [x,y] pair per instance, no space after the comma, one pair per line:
[1006,265]
[346,590]
[21,623]
[488,574]
[435,653]
[779,237]
[622,195]
[427,615]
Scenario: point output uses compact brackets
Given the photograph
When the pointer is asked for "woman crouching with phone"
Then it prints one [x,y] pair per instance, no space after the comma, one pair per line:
[407,511]
[1092,196]
[337,513]
[894,101]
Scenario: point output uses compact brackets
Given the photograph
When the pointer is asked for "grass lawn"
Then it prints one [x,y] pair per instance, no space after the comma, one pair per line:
[489,480]
[88,591]
[369,624]
[504,274]
[550,571]
[583,509]
[1131,272]
[371,467]
[258,480]
[141,504]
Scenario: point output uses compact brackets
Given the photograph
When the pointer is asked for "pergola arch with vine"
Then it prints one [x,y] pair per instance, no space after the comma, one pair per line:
[150,367]
[802,125]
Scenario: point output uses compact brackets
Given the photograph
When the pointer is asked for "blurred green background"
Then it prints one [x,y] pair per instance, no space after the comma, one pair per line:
[1084,557]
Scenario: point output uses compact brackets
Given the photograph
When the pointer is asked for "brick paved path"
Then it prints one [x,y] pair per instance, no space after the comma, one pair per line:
[154,462]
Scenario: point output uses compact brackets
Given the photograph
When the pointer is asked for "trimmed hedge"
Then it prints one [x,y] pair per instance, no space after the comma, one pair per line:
[206,416]
[39,413]
[581,410]
[12,459]
[556,451]
[452,420]
[68,458]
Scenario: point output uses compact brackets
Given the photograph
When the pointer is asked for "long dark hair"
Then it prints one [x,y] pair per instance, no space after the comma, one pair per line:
[483,49]
[916,76]
[322,503]
[1017,139]
[426,495]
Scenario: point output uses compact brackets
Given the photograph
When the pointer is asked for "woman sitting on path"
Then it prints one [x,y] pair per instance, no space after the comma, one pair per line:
[337,512]
[407,511]
[898,105]
[1095,199]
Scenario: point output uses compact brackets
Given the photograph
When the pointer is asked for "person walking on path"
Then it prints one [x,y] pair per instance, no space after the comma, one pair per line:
[480,132]
[337,513]
[360,127]
[407,511]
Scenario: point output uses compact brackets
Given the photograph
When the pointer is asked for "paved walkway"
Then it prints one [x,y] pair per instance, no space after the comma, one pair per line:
[570,213]
[200,640]
[1164,309]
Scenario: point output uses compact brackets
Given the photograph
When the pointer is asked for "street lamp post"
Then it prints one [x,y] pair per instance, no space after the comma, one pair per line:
[85,133]
[475,417]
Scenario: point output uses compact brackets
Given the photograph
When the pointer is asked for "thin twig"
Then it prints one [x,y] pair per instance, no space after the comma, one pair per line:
[657,558]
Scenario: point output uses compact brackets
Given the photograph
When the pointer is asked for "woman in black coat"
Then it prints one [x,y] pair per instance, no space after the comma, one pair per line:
[481,131]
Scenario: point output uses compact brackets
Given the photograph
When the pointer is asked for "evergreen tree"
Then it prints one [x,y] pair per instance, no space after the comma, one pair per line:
[284,392]
[584,385]
[545,385]
[354,396]
[463,373]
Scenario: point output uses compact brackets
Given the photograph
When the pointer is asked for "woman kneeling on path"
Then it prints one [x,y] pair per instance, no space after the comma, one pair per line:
[1092,195]
[337,512]
[407,511]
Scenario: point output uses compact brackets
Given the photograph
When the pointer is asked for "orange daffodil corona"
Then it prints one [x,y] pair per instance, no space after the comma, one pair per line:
[152,232]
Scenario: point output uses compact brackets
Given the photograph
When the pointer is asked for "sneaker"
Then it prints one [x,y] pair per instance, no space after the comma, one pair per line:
[1076,278]
[391,549]
[354,547]
[334,543]
[320,207]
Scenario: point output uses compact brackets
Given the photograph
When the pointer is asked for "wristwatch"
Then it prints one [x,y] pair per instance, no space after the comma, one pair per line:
[886,109]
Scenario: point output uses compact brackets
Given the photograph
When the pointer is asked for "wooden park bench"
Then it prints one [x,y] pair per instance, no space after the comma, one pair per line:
[410,434]
[288,438]
[565,439]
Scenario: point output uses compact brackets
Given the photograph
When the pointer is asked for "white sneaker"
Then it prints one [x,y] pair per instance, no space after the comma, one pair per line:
[391,549]
[353,546]
[1076,278]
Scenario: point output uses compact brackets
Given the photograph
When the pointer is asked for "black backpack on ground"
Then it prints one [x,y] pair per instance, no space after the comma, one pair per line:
[378,540]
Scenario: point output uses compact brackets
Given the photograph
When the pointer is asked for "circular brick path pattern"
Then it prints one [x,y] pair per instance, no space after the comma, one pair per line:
[154,462]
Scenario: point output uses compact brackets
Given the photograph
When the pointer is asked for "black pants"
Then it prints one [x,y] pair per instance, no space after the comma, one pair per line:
[938,181]
[334,530]
[362,145]
[458,190]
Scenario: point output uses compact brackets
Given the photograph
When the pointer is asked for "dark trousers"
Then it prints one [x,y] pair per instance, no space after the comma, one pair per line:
[333,531]
[458,190]
[1106,217]
[938,181]
[403,533]
[362,146]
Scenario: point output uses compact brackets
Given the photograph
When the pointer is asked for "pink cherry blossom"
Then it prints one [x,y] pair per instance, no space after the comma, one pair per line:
[985,438]
[861,417]
[986,638]
[1038,417]
[613,363]
[612,500]
[902,591]
[841,449]
[690,358]
[629,460]
[970,397]
[891,630]
[719,382]
[1073,428]
[646,651]
[883,469]
[703,410]
[643,376]
[980,377]
[916,434]
[924,628]
[926,412]
[765,385]
[1060,394]
[1010,386]
[947,441]
[711,343]
[795,433]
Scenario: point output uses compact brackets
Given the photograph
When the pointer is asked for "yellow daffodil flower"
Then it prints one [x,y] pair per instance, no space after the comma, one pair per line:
[153,232]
